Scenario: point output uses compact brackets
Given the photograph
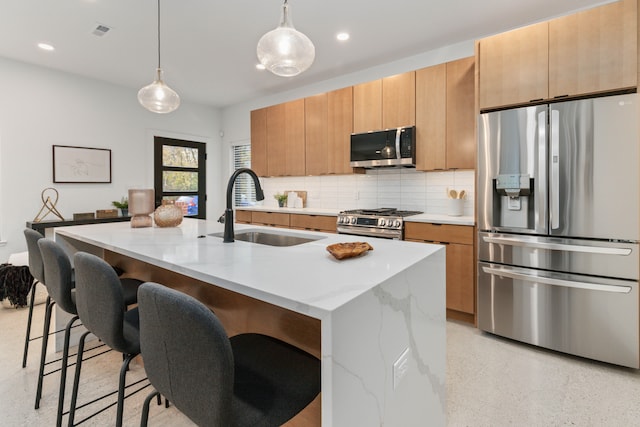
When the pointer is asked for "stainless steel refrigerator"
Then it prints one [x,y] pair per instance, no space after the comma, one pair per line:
[558,226]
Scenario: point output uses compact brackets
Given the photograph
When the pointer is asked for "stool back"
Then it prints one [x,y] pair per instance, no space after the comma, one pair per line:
[57,269]
[36,266]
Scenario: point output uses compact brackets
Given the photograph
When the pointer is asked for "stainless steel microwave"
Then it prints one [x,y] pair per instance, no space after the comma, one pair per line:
[385,148]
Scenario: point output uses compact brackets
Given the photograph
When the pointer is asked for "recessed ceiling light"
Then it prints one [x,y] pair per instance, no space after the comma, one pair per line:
[342,36]
[260,66]
[46,46]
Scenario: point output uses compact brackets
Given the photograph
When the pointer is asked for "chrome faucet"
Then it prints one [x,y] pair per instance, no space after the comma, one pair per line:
[227,218]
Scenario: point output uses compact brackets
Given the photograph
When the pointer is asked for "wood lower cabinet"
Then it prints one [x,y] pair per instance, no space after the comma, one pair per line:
[460,268]
[271,219]
[322,223]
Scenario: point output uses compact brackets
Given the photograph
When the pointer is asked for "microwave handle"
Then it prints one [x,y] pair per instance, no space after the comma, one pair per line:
[398,153]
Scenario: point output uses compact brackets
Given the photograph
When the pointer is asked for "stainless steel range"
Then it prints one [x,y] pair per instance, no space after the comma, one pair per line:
[382,222]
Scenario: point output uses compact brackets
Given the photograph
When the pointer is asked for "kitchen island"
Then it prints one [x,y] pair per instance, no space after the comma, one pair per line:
[377,322]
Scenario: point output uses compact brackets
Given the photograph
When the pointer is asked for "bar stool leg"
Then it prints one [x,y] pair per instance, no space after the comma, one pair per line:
[43,353]
[121,387]
[76,379]
[63,370]
[27,338]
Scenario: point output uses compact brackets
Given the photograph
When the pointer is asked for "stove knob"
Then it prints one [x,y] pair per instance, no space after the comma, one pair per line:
[353,220]
[397,223]
[340,219]
[382,222]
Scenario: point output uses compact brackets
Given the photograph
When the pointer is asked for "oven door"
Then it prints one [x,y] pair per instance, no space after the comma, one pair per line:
[370,232]
[582,315]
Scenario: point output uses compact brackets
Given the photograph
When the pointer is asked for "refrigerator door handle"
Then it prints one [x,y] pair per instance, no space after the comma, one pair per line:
[512,274]
[554,170]
[557,246]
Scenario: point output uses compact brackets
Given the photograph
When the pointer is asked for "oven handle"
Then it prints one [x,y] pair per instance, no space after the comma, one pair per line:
[367,232]
[398,153]
[512,274]
[557,246]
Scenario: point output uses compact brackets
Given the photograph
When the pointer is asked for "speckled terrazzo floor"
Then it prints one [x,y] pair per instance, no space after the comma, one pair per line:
[490,382]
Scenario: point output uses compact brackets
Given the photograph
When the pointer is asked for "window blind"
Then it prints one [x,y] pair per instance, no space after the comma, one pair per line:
[244,190]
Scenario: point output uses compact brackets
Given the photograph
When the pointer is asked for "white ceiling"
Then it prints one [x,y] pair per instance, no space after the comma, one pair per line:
[209,46]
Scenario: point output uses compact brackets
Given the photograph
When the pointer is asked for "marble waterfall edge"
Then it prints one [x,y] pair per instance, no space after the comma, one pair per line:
[405,311]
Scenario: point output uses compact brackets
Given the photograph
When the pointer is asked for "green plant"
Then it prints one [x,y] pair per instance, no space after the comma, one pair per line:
[281,198]
[122,204]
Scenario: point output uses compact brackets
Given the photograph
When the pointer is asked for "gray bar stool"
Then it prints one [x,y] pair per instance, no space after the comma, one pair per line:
[249,380]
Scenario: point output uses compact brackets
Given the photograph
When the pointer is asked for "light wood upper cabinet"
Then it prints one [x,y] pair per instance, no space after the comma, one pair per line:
[259,141]
[276,144]
[431,86]
[340,127]
[399,100]
[445,116]
[316,134]
[514,66]
[594,50]
[461,117]
[295,138]
[367,106]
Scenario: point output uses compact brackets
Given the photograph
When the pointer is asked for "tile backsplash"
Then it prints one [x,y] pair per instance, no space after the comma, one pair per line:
[398,188]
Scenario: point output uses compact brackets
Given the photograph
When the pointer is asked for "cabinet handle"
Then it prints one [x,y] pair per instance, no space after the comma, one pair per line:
[536,100]
[561,96]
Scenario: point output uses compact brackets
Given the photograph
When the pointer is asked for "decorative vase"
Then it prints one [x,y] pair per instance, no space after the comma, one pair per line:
[124,211]
[141,206]
[281,203]
[168,215]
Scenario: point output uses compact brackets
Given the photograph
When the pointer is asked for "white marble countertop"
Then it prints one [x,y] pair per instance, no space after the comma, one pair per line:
[429,218]
[304,278]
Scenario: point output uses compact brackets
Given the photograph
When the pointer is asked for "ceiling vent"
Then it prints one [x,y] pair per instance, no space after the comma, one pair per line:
[100,30]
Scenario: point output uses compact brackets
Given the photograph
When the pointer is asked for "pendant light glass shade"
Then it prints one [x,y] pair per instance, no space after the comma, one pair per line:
[158,97]
[285,51]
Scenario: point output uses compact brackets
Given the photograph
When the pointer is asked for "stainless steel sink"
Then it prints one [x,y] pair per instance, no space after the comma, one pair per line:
[271,238]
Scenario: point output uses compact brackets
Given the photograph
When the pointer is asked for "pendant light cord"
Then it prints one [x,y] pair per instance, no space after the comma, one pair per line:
[158,33]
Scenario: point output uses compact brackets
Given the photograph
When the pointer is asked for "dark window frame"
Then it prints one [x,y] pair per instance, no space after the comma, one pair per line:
[159,169]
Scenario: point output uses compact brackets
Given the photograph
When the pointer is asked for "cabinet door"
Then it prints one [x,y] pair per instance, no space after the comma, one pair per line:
[294,138]
[594,50]
[276,141]
[316,128]
[367,106]
[313,222]
[271,219]
[399,100]
[460,278]
[259,141]
[243,217]
[514,66]
[340,127]
[461,123]
[431,83]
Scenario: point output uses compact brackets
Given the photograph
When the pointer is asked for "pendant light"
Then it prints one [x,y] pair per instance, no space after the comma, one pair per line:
[158,97]
[285,51]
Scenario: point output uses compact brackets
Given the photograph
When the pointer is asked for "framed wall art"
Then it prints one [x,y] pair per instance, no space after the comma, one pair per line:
[81,164]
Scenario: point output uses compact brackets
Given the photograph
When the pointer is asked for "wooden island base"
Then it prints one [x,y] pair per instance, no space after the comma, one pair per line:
[239,314]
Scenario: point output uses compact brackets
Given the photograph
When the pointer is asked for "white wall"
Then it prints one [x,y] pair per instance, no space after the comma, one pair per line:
[41,107]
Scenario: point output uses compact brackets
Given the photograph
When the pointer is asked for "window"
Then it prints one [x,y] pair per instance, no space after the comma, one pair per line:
[244,190]
[180,175]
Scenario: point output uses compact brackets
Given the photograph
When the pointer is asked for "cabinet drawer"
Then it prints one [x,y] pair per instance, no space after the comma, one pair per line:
[461,234]
[314,222]
[243,217]
[270,218]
